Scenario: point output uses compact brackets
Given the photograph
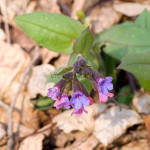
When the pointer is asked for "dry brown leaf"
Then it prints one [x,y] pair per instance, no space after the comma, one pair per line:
[17,7]
[3,147]
[68,123]
[131,9]
[37,83]
[103,17]
[34,142]
[23,113]
[141,102]
[3,134]
[20,130]
[88,142]
[147,124]
[107,124]
[50,6]
[47,55]
[2,35]
[113,123]
[26,112]
[136,145]
[11,68]
[62,61]
[19,37]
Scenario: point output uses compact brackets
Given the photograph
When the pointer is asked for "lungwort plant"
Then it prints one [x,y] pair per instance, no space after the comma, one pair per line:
[128,42]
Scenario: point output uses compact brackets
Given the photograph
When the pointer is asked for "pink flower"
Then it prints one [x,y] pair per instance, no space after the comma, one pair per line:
[62,102]
[104,85]
[79,101]
[79,112]
[104,97]
[53,92]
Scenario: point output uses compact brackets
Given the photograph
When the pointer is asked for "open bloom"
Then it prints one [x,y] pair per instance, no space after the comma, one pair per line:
[78,112]
[104,85]
[78,102]
[53,92]
[62,102]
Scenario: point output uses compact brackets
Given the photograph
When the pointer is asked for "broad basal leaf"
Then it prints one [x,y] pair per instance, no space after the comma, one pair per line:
[138,64]
[128,37]
[53,31]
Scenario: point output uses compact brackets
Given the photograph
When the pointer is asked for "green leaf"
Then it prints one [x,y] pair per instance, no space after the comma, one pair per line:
[64,70]
[143,20]
[125,95]
[84,43]
[127,37]
[92,60]
[72,59]
[85,82]
[110,66]
[57,75]
[144,83]
[81,15]
[118,51]
[43,103]
[53,31]
[138,64]
[53,78]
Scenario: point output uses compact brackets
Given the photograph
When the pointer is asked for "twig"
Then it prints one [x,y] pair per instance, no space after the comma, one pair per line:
[43,129]
[3,4]
[10,142]
[113,100]
[3,104]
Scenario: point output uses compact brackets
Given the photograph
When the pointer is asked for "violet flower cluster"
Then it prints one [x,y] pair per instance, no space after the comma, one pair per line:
[80,97]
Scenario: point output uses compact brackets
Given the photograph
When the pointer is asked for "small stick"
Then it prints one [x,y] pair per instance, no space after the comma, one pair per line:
[10,142]
[3,104]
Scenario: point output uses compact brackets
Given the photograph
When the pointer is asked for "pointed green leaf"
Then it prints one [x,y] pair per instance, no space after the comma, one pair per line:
[72,59]
[64,70]
[138,64]
[143,20]
[84,43]
[53,31]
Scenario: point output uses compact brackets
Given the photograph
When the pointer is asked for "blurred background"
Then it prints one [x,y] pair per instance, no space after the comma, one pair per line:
[23,89]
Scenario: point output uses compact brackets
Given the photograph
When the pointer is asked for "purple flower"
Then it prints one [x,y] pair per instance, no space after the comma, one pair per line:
[104,85]
[53,92]
[78,102]
[62,102]
[79,112]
